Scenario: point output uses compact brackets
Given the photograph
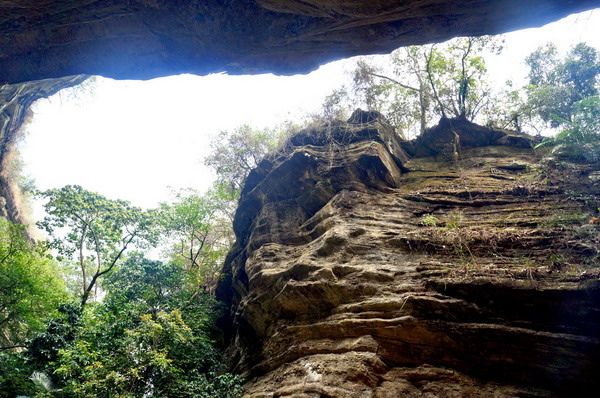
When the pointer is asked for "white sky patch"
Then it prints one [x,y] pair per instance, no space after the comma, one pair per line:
[132,139]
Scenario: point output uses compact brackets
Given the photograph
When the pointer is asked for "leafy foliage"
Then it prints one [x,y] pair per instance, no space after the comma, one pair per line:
[150,334]
[556,85]
[580,138]
[419,84]
[236,153]
[149,337]
[199,230]
[30,285]
[93,230]
[15,376]
[61,329]
[563,93]
[457,76]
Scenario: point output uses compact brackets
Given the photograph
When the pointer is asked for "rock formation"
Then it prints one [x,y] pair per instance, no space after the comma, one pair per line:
[142,39]
[15,101]
[461,264]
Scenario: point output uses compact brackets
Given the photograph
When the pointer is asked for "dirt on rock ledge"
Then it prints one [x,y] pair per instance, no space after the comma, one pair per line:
[458,265]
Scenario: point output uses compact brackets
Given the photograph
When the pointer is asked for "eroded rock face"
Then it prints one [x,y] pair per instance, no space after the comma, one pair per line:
[142,39]
[468,270]
[15,101]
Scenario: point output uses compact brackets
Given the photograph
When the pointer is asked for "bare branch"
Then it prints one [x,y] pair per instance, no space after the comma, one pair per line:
[428,59]
[393,81]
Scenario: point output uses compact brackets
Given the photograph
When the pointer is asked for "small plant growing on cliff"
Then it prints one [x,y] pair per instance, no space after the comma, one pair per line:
[454,233]
[430,220]
[562,220]
[454,221]
[450,231]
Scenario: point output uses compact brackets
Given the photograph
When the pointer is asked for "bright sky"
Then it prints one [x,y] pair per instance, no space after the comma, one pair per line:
[132,139]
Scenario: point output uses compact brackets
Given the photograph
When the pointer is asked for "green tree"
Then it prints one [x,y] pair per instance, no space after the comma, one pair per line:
[93,231]
[15,374]
[198,230]
[580,137]
[149,337]
[403,95]
[203,224]
[556,85]
[419,83]
[585,121]
[335,106]
[61,329]
[236,153]
[457,73]
[30,286]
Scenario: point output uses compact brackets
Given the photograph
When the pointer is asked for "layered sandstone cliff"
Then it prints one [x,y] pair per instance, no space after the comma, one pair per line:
[459,265]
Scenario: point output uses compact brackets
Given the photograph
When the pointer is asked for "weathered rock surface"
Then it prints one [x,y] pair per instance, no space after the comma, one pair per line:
[466,270]
[15,101]
[141,39]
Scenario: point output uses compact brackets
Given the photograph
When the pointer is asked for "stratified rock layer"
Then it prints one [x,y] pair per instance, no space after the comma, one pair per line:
[467,270]
[142,39]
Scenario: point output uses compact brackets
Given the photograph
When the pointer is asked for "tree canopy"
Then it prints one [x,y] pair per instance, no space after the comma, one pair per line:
[419,84]
[235,153]
[556,85]
[149,331]
[92,230]
[149,337]
[30,286]
[197,228]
